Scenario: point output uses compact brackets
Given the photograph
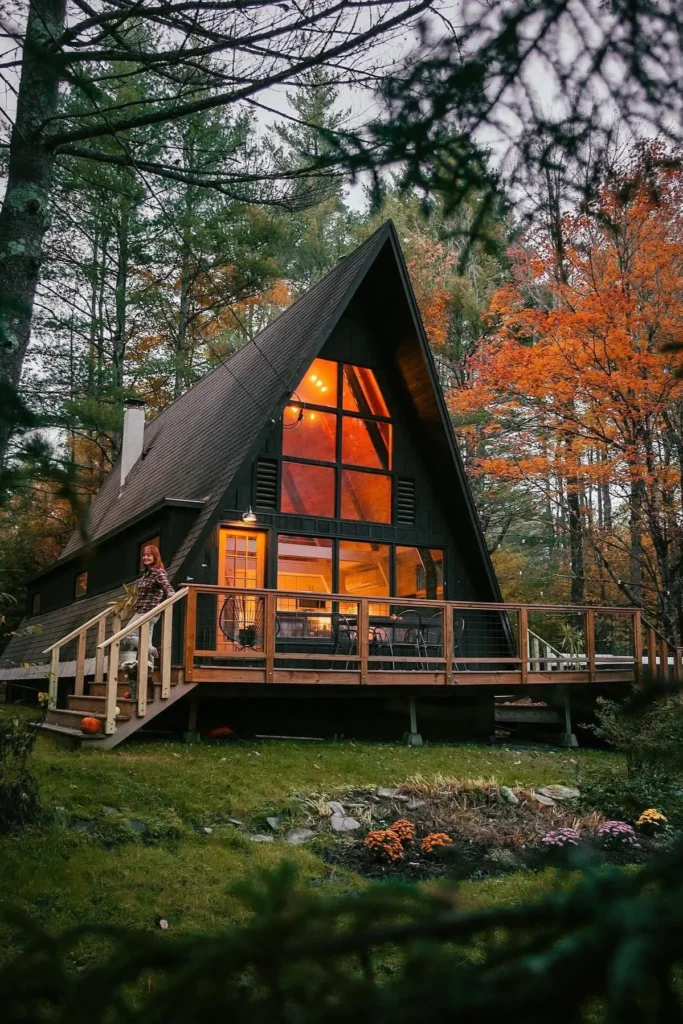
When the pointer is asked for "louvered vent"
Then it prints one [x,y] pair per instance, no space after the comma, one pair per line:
[405,502]
[266,484]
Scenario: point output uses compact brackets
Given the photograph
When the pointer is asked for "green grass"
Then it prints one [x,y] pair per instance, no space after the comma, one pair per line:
[185,875]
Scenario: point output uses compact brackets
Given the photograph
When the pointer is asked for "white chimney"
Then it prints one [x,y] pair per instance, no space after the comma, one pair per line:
[133,435]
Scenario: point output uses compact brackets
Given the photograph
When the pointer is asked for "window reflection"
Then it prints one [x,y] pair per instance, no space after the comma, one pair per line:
[318,386]
[363,568]
[314,436]
[366,443]
[419,573]
[365,496]
[308,490]
[361,392]
[304,563]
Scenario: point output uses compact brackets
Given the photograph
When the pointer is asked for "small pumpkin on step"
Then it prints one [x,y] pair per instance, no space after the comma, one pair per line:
[90,726]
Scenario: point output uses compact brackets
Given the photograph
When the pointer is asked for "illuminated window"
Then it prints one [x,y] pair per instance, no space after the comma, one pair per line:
[35,604]
[365,496]
[81,587]
[313,437]
[366,443]
[363,568]
[318,386]
[304,563]
[307,490]
[419,573]
[151,541]
[361,392]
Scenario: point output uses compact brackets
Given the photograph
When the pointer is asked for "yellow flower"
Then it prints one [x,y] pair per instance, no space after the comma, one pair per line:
[652,817]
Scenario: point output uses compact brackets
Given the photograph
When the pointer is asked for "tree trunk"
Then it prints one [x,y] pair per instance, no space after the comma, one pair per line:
[636,540]
[575,541]
[25,211]
[183,321]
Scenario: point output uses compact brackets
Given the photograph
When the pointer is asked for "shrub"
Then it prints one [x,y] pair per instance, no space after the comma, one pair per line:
[434,842]
[617,835]
[19,798]
[404,829]
[561,838]
[384,844]
[648,730]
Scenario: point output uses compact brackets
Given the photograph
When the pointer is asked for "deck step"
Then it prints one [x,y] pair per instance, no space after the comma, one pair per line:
[71,719]
[95,705]
[70,734]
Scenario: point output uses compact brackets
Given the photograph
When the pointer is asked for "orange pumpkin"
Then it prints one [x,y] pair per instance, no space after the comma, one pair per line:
[90,725]
[220,732]
[126,695]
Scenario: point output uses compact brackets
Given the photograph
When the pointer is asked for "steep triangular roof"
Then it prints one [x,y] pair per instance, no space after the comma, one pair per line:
[193,448]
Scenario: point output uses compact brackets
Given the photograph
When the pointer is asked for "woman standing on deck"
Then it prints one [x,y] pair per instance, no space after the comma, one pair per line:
[153,587]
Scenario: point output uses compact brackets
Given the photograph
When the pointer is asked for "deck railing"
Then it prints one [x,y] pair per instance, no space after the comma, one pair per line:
[268,636]
[80,635]
[113,647]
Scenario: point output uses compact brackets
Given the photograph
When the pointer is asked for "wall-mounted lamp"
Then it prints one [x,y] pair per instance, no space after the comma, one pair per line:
[249,516]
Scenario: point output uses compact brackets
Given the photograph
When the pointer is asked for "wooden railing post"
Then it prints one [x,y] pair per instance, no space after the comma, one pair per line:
[663,660]
[80,663]
[112,688]
[99,654]
[271,631]
[678,665]
[637,646]
[190,633]
[448,642]
[165,651]
[522,636]
[589,625]
[53,682]
[143,669]
[363,638]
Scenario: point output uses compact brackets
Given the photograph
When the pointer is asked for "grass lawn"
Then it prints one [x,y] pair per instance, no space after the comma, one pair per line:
[186,875]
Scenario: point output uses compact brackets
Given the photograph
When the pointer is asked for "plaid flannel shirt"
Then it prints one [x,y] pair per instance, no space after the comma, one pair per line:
[153,587]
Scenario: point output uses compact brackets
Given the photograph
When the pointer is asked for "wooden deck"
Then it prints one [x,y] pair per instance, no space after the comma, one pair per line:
[267,637]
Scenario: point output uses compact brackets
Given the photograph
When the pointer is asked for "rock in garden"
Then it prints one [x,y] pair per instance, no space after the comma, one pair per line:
[340,823]
[509,796]
[274,823]
[545,801]
[109,810]
[414,805]
[336,808]
[298,836]
[261,839]
[235,821]
[561,792]
[387,794]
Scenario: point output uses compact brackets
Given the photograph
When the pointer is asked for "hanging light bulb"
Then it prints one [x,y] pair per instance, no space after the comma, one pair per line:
[249,516]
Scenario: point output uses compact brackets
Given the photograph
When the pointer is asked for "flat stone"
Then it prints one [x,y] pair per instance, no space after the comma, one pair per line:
[109,810]
[509,796]
[274,823]
[298,836]
[207,831]
[235,821]
[545,801]
[414,805]
[561,792]
[261,839]
[387,794]
[336,807]
[340,823]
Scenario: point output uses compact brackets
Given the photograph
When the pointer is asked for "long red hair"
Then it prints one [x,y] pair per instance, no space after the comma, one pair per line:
[154,551]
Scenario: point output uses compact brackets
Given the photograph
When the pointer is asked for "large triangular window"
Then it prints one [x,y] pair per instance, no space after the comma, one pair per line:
[337,445]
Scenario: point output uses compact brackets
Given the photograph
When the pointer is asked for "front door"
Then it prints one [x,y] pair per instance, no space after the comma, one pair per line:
[241,564]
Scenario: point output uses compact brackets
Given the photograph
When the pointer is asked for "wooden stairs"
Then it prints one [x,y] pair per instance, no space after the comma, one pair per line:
[109,695]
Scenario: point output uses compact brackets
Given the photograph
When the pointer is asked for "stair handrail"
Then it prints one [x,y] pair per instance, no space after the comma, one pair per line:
[113,645]
[54,649]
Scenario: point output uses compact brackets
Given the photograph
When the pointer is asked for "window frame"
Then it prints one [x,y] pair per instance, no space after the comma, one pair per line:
[77,577]
[338,465]
[36,601]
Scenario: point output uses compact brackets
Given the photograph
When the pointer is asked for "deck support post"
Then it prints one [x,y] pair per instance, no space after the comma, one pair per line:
[412,738]
[568,739]
[191,735]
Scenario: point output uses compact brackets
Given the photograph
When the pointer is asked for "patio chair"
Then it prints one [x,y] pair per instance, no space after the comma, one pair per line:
[241,621]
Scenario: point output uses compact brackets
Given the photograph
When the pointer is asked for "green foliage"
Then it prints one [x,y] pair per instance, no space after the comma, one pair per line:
[19,798]
[624,799]
[649,732]
[390,954]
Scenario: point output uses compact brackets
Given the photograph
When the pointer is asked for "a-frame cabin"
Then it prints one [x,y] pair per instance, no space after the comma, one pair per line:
[310,496]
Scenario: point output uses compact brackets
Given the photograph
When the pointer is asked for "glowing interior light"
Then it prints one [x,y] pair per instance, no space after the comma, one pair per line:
[312,415]
[313,377]
[324,389]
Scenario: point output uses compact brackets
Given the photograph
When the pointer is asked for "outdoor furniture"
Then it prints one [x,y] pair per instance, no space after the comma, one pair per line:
[241,621]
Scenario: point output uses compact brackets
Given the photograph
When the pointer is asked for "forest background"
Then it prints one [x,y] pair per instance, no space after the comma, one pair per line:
[552,304]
